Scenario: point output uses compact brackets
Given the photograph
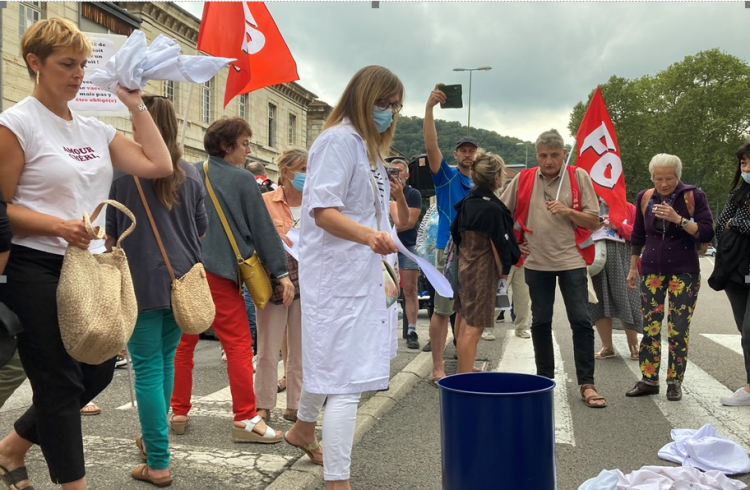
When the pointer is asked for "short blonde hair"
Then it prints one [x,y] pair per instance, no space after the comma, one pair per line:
[47,35]
[665,160]
[485,170]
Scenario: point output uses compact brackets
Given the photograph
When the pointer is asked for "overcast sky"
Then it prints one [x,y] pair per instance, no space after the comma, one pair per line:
[545,57]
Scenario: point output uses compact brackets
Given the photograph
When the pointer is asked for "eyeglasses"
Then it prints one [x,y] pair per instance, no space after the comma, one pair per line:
[246,144]
[384,104]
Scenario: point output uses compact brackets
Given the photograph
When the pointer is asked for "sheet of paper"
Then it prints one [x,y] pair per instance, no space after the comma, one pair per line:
[293,236]
[502,301]
[438,281]
[605,233]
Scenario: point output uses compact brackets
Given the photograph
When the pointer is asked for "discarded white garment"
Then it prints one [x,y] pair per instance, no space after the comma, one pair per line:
[662,478]
[135,63]
[706,450]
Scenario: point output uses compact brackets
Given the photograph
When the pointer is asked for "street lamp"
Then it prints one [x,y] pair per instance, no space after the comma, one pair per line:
[527,153]
[481,68]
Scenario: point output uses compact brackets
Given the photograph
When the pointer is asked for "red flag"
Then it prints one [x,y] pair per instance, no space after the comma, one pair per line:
[246,31]
[599,155]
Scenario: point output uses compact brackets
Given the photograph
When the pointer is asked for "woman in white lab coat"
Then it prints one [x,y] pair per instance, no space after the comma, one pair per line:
[347,330]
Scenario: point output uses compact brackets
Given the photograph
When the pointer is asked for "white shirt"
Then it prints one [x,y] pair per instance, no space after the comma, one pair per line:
[348,334]
[67,169]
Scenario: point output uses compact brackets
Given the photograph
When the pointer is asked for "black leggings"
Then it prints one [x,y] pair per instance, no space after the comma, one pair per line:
[739,298]
[61,385]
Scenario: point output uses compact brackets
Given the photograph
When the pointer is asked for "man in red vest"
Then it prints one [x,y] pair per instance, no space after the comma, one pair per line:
[555,238]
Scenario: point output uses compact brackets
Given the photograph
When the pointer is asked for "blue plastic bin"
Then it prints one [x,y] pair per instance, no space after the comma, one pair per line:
[497,431]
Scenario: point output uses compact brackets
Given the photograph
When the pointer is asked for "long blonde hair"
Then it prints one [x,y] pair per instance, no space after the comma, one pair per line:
[163,113]
[367,86]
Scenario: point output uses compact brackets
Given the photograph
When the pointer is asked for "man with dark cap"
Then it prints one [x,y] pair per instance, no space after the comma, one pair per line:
[451,185]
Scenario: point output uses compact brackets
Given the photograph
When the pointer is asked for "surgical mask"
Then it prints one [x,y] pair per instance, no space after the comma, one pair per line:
[298,182]
[746,176]
[383,119]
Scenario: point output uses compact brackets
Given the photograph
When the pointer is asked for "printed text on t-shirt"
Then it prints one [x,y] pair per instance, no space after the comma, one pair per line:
[81,154]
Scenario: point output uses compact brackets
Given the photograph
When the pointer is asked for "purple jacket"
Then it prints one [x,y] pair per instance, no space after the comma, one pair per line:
[672,251]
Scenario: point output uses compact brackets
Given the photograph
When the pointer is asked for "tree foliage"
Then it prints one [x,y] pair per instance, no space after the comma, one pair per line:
[409,139]
[696,109]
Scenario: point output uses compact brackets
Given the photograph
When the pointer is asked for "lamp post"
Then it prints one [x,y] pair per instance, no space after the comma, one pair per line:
[527,153]
[470,70]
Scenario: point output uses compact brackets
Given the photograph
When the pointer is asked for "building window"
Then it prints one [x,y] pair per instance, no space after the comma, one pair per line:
[271,125]
[169,90]
[292,129]
[242,106]
[28,13]
[206,103]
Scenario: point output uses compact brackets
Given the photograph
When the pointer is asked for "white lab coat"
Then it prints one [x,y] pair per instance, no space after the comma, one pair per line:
[348,335]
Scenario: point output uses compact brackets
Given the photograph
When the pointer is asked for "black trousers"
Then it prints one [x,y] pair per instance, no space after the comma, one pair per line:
[60,384]
[739,298]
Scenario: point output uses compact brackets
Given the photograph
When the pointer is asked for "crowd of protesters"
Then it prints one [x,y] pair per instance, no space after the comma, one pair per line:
[329,314]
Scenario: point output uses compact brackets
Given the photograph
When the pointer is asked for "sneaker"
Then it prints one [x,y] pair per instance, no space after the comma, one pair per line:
[121,362]
[487,334]
[412,340]
[524,334]
[427,347]
[740,398]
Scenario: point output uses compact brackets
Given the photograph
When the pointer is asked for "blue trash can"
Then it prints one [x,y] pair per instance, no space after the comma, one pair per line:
[497,431]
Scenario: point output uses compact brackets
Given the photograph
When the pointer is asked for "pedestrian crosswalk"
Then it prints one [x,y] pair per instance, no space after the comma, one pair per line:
[701,391]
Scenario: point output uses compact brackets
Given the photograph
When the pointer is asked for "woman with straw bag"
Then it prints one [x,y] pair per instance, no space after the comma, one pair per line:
[171,207]
[57,166]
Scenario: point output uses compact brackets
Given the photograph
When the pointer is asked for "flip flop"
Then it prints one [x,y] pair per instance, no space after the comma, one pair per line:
[95,411]
[308,449]
[140,473]
[12,477]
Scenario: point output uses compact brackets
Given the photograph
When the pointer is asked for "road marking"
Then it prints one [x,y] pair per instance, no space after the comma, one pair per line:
[730,341]
[518,357]
[700,401]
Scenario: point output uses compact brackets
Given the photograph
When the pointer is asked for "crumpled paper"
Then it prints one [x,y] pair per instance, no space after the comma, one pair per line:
[706,450]
[135,63]
[662,478]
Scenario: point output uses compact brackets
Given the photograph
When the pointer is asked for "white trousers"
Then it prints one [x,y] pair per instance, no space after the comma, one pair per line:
[338,429]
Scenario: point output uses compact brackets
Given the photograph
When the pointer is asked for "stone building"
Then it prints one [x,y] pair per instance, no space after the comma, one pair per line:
[278,114]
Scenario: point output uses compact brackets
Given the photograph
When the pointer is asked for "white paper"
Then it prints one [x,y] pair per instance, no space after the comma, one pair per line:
[502,301]
[293,236]
[438,281]
[606,233]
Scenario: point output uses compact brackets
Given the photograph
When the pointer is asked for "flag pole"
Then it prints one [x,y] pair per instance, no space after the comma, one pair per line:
[564,170]
[187,111]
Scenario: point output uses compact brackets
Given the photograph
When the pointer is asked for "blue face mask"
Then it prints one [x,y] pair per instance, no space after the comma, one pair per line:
[383,119]
[298,182]
[746,177]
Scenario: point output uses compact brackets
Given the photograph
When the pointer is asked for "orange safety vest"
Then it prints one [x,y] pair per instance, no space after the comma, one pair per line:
[526,180]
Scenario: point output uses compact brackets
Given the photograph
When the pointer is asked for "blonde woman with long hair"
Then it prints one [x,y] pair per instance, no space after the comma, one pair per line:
[348,333]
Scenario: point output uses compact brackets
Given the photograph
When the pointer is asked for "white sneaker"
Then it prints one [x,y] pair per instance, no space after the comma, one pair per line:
[524,334]
[740,398]
[487,334]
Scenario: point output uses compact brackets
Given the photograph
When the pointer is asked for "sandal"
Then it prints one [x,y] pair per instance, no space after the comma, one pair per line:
[290,414]
[139,443]
[247,434]
[634,352]
[281,386]
[604,354]
[592,398]
[141,473]
[264,413]
[308,449]
[178,427]
[12,477]
[91,409]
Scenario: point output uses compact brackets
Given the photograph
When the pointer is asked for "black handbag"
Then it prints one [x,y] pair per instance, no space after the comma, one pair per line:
[732,260]
[10,327]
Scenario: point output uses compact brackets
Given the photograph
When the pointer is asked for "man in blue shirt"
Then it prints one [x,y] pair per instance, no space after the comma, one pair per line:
[451,185]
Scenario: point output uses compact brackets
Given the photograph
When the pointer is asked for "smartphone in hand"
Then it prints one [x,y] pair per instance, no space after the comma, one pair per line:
[453,94]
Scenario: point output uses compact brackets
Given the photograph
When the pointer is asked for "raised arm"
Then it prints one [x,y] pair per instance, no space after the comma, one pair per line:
[434,155]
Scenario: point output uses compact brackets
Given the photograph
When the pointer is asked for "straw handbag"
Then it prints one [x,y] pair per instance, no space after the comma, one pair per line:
[192,304]
[250,270]
[96,305]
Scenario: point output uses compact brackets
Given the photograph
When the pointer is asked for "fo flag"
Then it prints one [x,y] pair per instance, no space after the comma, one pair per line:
[246,31]
[599,155]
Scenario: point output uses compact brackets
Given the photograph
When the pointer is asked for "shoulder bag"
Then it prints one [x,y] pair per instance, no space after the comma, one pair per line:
[96,305]
[250,270]
[390,277]
[192,304]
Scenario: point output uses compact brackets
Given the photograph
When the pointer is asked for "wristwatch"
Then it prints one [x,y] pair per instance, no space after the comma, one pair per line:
[142,107]
[684,222]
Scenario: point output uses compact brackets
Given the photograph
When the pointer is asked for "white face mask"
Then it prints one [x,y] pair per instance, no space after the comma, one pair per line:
[746,177]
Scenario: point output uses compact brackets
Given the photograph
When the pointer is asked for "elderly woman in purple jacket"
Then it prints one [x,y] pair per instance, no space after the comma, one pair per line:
[673,220]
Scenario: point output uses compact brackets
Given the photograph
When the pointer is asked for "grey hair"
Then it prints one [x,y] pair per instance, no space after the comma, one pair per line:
[256,169]
[665,160]
[401,161]
[551,139]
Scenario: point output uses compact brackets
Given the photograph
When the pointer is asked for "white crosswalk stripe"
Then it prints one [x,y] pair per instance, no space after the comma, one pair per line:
[518,357]
[700,401]
[730,341]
